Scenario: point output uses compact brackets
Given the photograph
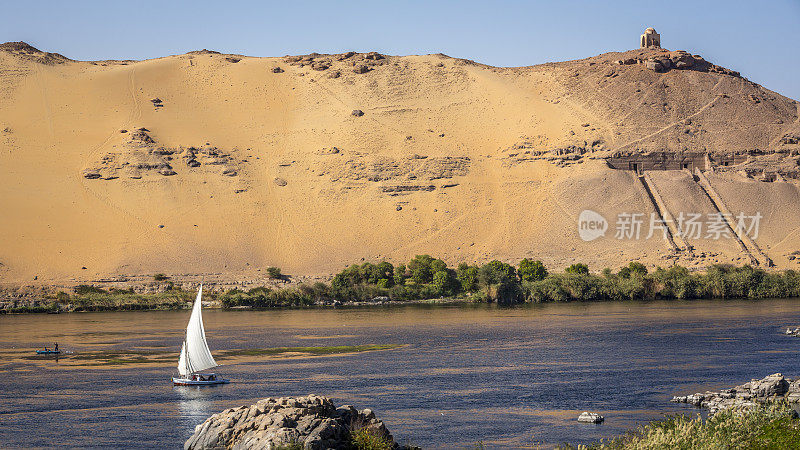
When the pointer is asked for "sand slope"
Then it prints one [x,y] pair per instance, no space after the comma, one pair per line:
[443,161]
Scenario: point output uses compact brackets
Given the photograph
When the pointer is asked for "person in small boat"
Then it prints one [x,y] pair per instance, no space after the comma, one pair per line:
[56,346]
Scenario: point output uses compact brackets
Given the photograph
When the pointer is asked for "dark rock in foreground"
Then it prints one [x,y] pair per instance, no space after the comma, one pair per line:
[775,387]
[313,421]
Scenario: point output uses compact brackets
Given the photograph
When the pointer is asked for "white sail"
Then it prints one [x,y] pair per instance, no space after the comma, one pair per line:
[182,360]
[195,355]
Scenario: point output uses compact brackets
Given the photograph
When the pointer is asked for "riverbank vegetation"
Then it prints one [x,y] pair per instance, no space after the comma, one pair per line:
[767,426]
[425,277]
[91,298]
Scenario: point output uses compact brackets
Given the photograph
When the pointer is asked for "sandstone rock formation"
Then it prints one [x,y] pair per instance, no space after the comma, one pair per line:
[140,155]
[312,421]
[771,388]
[28,52]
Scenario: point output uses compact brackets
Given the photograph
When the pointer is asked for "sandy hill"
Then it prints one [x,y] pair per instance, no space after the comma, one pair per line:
[213,163]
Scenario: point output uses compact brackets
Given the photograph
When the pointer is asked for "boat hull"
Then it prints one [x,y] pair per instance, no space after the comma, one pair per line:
[178,381]
[48,352]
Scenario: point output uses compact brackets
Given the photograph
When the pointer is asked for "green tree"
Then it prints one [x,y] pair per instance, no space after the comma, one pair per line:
[633,269]
[370,273]
[496,272]
[441,280]
[386,271]
[531,270]
[468,277]
[351,276]
[499,281]
[420,268]
[437,265]
[578,269]
[400,275]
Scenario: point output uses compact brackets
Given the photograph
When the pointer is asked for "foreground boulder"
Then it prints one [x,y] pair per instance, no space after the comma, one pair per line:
[587,417]
[312,421]
[774,387]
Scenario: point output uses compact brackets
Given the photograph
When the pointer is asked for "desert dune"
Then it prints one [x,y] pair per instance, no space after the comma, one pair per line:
[206,163]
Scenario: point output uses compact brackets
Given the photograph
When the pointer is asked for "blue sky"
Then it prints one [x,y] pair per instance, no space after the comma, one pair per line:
[756,38]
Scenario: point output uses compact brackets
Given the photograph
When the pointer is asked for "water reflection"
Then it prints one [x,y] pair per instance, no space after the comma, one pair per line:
[195,404]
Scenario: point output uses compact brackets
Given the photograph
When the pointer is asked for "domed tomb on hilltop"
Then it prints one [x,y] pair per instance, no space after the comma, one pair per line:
[650,39]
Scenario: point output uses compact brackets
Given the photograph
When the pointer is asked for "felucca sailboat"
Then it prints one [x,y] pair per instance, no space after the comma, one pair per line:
[195,354]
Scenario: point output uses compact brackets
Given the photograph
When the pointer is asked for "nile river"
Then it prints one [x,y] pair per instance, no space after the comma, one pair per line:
[510,378]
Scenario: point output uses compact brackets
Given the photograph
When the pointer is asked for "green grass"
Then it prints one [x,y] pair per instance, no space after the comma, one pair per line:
[770,426]
[367,438]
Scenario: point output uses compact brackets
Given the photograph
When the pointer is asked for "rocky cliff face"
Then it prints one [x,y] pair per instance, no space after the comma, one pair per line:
[312,421]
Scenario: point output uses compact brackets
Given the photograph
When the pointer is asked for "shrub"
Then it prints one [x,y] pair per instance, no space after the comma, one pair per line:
[83,289]
[290,446]
[274,273]
[633,269]
[531,270]
[543,291]
[368,438]
[764,427]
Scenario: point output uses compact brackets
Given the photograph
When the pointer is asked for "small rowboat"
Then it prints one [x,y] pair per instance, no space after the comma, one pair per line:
[48,352]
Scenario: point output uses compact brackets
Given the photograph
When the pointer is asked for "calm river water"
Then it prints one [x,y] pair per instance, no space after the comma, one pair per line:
[510,378]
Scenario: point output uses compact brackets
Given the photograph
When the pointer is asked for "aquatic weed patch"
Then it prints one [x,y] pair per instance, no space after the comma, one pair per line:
[306,351]
[160,357]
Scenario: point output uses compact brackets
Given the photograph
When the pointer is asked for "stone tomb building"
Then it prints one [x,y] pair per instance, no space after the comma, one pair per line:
[650,39]
[639,162]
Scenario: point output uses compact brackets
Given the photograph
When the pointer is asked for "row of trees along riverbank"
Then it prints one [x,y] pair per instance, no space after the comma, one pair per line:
[426,277]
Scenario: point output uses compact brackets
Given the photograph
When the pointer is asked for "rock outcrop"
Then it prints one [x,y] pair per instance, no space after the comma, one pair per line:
[141,156]
[774,387]
[313,421]
[587,417]
[27,51]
